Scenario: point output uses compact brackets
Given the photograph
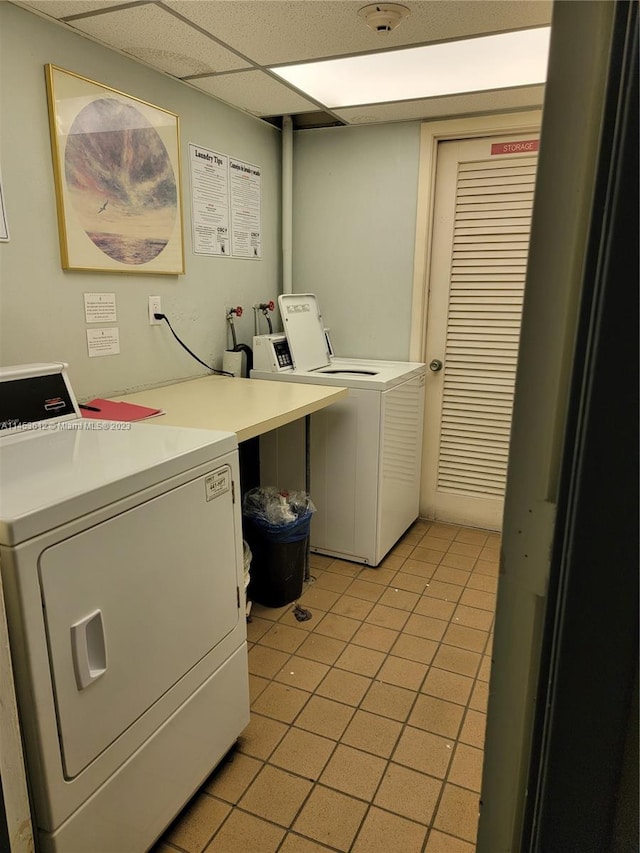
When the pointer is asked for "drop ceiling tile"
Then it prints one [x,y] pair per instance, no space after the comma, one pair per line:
[62,8]
[272,32]
[255,92]
[477,103]
[160,39]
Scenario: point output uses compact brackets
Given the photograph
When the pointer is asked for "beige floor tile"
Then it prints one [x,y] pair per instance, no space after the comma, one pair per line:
[320,560]
[473,728]
[448,574]
[281,702]
[408,793]
[375,637]
[303,753]
[426,627]
[450,686]
[472,537]
[415,648]
[360,660]
[261,736]
[467,548]
[494,540]
[283,637]
[372,733]
[437,608]
[472,617]
[197,824]
[491,568]
[333,582]
[387,617]
[419,568]
[318,599]
[353,772]
[454,659]
[424,751]
[466,638]
[272,614]
[266,662]
[458,561]
[243,832]
[440,843]
[427,555]
[392,561]
[344,686]
[490,554]
[466,767]
[339,627]
[325,717]
[276,795]
[444,531]
[485,668]
[344,568]
[458,813]
[365,589]
[381,831]
[399,598]
[354,608]
[410,583]
[289,618]
[403,549]
[323,649]
[436,715]
[233,777]
[256,685]
[484,583]
[387,700]
[331,817]
[382,574]
[256,627]
[479,696]
[429,540]
[446,591]
[302,673]
[297,844]
[402,672]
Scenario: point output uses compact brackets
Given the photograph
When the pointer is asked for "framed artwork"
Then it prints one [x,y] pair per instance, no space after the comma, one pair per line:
[116,164]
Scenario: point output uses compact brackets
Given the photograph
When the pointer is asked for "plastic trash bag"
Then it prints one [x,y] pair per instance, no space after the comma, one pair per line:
[284,515]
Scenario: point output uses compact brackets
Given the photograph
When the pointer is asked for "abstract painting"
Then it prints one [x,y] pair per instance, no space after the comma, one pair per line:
[117,176]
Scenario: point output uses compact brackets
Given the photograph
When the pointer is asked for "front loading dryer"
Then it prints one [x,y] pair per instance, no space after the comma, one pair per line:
[121,560]
[365,451]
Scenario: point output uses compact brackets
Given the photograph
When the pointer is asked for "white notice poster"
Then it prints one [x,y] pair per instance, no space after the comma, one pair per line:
[209,201]
[245,182]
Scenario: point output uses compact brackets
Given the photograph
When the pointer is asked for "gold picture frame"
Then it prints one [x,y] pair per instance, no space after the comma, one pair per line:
[116,166]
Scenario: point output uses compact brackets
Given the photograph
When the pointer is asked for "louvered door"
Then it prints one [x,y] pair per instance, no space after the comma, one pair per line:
[480,243]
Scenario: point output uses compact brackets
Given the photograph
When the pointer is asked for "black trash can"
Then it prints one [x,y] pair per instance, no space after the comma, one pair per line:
[276,526]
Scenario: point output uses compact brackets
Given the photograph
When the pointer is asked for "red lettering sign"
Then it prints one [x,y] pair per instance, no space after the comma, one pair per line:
[524,146]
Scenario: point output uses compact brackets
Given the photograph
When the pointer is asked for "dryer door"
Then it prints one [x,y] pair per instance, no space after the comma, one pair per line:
[134,603]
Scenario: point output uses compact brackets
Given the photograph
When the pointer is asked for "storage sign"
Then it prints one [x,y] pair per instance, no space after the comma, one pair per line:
[525,146]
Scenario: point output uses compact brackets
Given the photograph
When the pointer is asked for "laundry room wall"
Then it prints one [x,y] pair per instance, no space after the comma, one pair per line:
[355,193]
[41,306]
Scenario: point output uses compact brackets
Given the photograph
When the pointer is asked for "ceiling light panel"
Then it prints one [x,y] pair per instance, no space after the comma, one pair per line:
[499,61]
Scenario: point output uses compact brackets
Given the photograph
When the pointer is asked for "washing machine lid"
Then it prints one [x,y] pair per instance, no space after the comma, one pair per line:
[304,329]
[52,474]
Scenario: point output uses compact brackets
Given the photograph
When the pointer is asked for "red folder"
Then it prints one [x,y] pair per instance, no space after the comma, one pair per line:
[110,410]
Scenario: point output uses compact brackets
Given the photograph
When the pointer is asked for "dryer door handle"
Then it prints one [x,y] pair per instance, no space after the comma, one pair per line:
[89,649]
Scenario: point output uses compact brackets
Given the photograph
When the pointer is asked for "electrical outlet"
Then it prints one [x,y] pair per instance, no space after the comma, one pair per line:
[155,307]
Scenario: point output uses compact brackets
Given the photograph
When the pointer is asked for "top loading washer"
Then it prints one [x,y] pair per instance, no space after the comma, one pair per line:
[365,450]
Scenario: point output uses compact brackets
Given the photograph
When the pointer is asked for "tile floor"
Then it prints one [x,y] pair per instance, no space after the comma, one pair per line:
[368,720]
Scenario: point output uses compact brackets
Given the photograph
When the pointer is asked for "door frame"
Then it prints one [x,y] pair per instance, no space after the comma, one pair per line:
[431,133]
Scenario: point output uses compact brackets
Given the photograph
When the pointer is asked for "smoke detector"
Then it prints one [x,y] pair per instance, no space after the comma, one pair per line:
[383,17]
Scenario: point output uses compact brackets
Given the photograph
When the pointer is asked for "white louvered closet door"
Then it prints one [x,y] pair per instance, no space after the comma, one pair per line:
[482,217]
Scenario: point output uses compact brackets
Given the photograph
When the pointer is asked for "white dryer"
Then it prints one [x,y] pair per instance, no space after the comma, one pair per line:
[365,451]
[122,567]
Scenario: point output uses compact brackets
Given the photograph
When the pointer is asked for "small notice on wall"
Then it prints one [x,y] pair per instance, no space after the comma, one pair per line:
[100,307]
[245,182]
[103,342]
[209,201]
